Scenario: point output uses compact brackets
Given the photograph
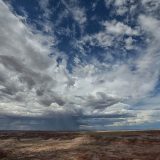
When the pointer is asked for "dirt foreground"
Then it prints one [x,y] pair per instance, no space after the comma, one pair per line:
[129,145]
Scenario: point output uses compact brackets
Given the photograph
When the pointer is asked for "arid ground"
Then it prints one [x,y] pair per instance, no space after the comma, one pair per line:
[128,145]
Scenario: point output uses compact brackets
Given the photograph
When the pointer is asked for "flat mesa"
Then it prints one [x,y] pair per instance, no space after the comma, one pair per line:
[100,145]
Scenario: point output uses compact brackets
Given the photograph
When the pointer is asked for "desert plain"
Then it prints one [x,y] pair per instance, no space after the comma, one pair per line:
[48,145]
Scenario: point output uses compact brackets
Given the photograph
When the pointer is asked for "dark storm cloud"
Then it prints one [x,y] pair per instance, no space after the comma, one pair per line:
[101,101]
[51,97]
[111,115]
[11,63]
[9,91]
[25,74]
[61,122]
[103,121]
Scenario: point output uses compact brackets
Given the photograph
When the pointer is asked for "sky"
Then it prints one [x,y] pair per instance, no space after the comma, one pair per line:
[79,65]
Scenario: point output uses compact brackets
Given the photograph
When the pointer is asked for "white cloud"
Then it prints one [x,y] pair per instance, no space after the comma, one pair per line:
[150,24]
[120,6]
[129,43]
[120,2]
[119,28]
[77,13]
[101,39]
[44,5]
[112,34]
[151,6]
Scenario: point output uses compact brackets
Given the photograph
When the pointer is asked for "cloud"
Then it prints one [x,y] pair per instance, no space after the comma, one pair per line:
[77,12]
[151,7]
[53,123]
[114,34]
[120,6]
[101,101]
[119,28]
[38,92]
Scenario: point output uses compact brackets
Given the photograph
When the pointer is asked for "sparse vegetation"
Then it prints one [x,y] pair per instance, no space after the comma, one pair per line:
[80,145]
